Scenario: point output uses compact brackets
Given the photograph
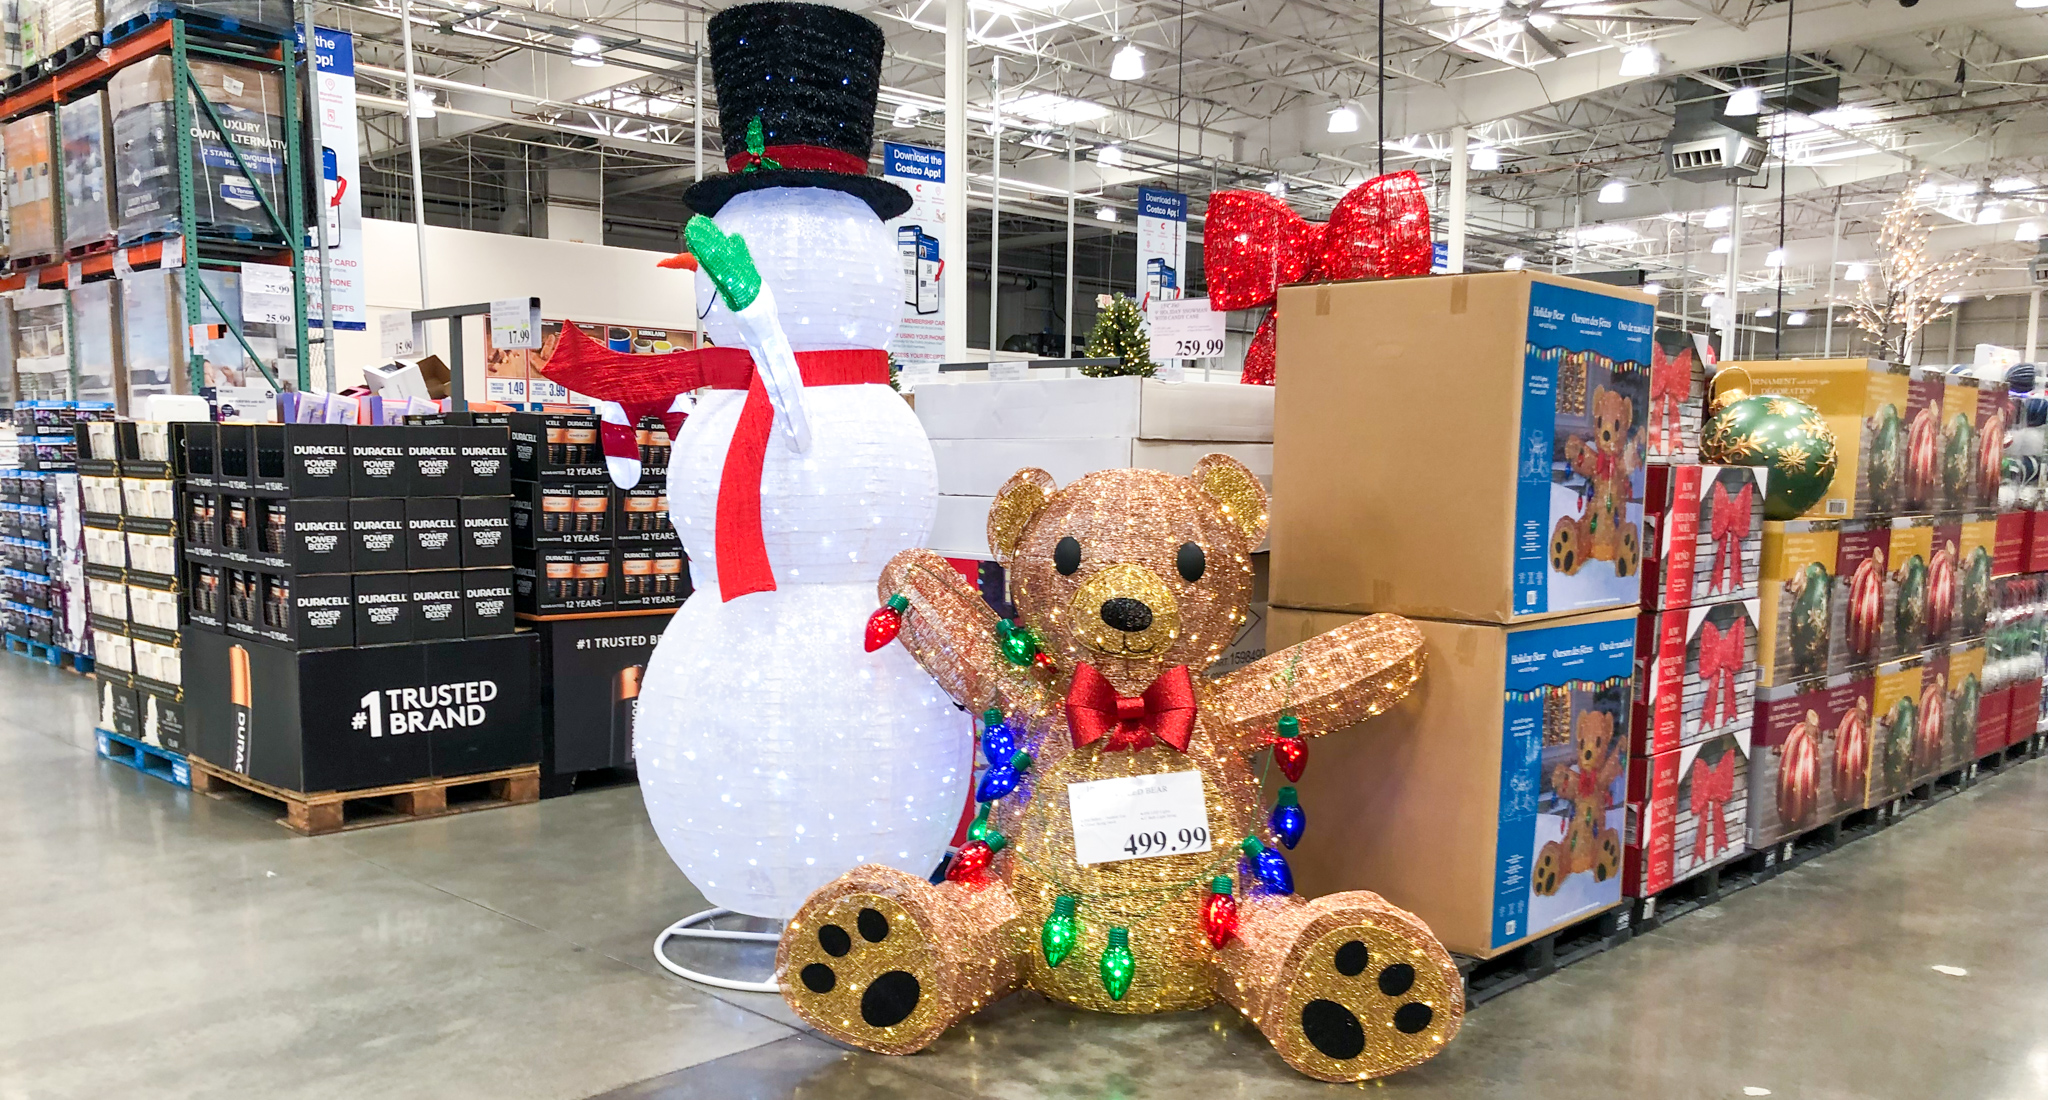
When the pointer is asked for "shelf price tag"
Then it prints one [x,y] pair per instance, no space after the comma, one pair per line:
[1138,817]
[515,324]
[267,296]
[1186,328]
[398,337]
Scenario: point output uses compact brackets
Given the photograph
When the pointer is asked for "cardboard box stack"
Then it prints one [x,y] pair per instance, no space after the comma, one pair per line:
[133,540]
[1501,508]
[46,599]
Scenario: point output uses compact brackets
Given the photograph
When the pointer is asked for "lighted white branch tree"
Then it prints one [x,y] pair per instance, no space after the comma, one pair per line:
[1903,292]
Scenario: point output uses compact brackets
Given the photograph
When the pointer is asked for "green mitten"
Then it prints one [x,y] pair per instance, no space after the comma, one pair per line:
[725,258]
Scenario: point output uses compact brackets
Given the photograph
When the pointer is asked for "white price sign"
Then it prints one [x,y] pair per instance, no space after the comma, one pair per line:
[1186,328]
[267,296]
[398,337]
[515,323]
[1138,817]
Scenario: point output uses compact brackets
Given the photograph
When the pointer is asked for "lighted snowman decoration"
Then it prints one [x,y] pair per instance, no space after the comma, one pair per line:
[774,751]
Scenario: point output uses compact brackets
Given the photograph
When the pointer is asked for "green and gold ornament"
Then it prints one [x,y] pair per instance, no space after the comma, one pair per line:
[1782,435]
[1809,619]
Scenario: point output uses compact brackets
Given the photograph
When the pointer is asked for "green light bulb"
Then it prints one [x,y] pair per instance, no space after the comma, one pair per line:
[1060,932]
[980,829]
[1117,964]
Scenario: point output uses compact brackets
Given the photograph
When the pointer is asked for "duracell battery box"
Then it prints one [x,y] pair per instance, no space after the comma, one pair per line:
[378,466]
[193,446]
[284,535]
[651,577]
[267,464]
[593,670]
[562,580]
[321,613]
[437,605]
[316,460]
[205,596]
[555,447]
[565,513]
[244,597]
[434,461]
[231,457]
[643,513]
[486,456]
[376,535]
[433,532]
[383,608]
[486,532]
[487,602]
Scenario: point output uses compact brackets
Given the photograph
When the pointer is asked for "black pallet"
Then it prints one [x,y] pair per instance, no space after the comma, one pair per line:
[1543,956]
[207,23]
[63,57]
[1701,890]
[31,263]
[557,784]
[81,251]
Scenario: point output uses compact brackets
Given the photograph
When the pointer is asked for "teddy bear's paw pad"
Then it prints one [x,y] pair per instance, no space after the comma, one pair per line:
[1607,859]
[859,967]
[1550,869]
[1631,555]
[1564,548]
[1369,997]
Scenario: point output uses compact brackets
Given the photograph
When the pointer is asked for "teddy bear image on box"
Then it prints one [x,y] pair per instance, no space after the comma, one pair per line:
[1122,858]
[1606,461]
[1584,783]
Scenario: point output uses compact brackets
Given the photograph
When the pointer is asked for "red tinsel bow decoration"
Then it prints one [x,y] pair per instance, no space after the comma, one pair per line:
[1720,660]
[1166,711]
[1732,516]
[1712,787]
[1670,386]
[1253,243]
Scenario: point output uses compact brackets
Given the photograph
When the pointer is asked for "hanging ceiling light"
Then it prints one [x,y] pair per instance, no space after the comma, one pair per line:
[1766,311]
[1774,258]
[1343,119]
[1712,300]
[907,114]
[2029,5]
[2027,231]
[586,52]
[1513,263]
[1991,214]
[1613,191]
[1105,213]
[1276,187]
[1796,317]
[2010,184]
[1722,245]
[1744,101]
[1717,218]
[1951,299]
[1110,156]
[1856,273]
[1640,61]
[1129,63]
[1653,288]
[423,103]
[1485,158]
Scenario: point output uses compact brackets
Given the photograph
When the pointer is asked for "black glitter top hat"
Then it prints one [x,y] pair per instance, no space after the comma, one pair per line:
[797,86]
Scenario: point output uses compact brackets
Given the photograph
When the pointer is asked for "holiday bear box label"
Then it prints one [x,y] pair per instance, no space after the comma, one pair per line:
[1702,534]
[1964,693]
[1861,594]
[1695,675]
[1908,583]
[1795,591]
[1865,403]
[1895,698]
[1687,811]
[1809,742]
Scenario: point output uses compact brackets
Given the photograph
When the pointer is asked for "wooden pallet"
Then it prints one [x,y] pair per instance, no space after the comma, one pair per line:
[323,812]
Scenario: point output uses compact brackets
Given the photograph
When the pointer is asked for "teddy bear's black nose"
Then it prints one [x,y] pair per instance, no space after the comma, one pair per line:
[1126,614]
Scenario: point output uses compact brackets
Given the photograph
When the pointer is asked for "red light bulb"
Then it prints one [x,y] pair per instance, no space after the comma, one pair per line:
[1219,913]
[886,622]
[969,862]
[1291,753]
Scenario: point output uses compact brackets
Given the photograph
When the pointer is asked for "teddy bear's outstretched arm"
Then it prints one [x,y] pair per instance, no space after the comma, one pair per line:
[949,628]
[1328,682]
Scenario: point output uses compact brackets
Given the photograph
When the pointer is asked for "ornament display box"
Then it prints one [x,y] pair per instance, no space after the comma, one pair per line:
[1959,577]
[2036,559]
[1809,746]
[2009,545]
[1965,694]
[347,719]
[1795,594]
[591,670]
[1896,696]
[1688,810]
[1489,802]
[1695,676]
[1702,534]
[1972,445]
[1868,404]
[1538,438]
[982,432]
[1908,580]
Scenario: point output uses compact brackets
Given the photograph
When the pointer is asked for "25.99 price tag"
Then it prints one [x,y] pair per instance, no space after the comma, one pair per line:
[1138,817]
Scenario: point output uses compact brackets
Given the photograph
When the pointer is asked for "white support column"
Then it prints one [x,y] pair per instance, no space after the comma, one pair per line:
[412,137]
[2033,323]
[953,275]
[995,211]
[1834,257]
[1067,348]
[1454,216]
[1733,305]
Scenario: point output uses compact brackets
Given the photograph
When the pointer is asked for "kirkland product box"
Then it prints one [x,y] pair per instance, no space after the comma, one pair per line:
[1867,403]
[1959,577]
[1695,675]
[1688,810]
[1965,691]
[1862,593]
[1539,441]
[1796,766]
[1906,586]
[1924,394]
[1522,729]
[1970,458]
[1795,591]
[1896,699]
[1702,534]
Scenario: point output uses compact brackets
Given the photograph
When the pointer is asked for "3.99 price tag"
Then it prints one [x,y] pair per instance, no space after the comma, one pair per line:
[1138,817]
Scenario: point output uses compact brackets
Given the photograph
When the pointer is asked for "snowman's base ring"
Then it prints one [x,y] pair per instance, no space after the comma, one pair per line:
[687,929]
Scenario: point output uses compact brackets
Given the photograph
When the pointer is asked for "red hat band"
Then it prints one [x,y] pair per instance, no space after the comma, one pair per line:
[815,158]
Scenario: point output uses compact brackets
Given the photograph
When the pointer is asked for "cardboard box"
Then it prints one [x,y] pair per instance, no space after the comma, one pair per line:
[486,460]
[1097,408]
[486,532]
[433,457]
[433,533]
[562,513]
[120,711]
[1994,721]
[1930,734]
[1543,454]
[376,535]
[1678,387]
[1924,393]
[1959,577]
[555,447]
[1965,692]
[979,467]
[487,602]
[2023,719]
[1695,675]
[591,670]
[643,515]
[2037,543]
[383,608]
[1688,810]
[350,719]
[1461,803]
[318,533]
[1863,593]
[1794,599]
[564,580]
[322,612]
[437,604]
[163,719]
[651,577]
[1703,534]
[316,459]
[1970,459]
[1907,582]
[193,452]
[205,587]
[1797,767]
[2009,548]
[1896,699]
[232,453]
[378,464]
[1867,403]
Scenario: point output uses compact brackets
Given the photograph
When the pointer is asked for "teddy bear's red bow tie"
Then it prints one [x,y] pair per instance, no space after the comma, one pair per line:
[1166,711]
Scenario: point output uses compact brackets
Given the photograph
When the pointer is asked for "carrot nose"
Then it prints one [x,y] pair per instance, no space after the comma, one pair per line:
[680,261]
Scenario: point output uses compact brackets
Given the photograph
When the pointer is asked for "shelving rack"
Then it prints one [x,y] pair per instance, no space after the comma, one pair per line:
[182,42]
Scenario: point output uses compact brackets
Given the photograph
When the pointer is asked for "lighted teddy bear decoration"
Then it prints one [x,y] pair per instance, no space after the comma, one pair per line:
[1601,532]
[1127,583]
[1586,785]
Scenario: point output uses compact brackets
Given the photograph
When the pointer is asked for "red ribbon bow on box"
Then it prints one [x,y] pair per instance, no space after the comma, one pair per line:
[1732,517]
[1166,710]
[1670,387]
[1253,243]
[1712,787]
[1720,660]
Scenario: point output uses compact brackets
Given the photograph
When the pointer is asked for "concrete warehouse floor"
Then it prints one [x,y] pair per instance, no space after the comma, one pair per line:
[157,944]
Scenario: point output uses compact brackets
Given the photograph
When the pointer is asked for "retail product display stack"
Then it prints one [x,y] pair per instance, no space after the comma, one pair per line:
[44,553]
[598,571]
[1526,590]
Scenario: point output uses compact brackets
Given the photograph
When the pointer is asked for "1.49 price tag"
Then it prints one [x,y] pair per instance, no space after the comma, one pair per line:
[1138,817]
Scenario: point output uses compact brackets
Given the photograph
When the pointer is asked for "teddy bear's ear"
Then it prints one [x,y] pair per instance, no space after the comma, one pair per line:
[1238,490]
[1017,503]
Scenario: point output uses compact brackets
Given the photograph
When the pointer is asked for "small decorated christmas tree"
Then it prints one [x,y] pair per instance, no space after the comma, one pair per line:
[1120,332]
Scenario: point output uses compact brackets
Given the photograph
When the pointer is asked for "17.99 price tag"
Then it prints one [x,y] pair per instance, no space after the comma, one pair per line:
[1138,816]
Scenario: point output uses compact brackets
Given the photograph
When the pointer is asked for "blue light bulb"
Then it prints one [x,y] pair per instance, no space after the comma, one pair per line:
[1001,779]
[1269,865]
[1287,819]
[998,744]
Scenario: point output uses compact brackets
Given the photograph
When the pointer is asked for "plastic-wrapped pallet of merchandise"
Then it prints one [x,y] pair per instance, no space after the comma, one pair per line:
[88,180]
[30,44]
[42,359]
[10,37]
[93,308]
[154,334]
[225,201]
[65,23]
[67,567]
[31,199]
[274,16]
[7,346]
